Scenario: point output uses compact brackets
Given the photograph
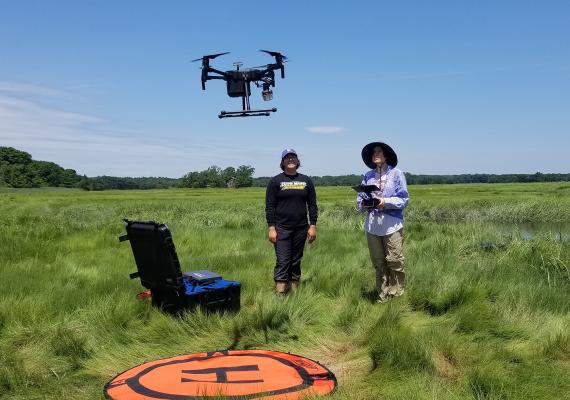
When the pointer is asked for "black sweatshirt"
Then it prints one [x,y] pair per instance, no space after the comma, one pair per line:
[287,199]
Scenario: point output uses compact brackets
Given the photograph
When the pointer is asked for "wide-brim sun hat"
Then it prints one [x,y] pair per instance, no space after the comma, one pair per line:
[389,153]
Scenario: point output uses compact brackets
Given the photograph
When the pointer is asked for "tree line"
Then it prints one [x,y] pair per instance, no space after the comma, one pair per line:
[214,176]
[414,179]
[19,170]
[485,178]
[125,183]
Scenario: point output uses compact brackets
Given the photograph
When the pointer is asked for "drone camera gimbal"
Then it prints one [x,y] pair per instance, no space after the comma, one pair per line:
[238,82]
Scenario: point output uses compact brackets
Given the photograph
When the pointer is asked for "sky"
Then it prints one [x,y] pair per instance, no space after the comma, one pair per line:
[107,87]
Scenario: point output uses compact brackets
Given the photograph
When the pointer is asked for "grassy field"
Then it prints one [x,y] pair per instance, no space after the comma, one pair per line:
[486,314]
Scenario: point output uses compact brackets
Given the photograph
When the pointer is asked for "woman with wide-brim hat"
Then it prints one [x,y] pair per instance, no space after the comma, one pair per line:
[291,212]
[384,224]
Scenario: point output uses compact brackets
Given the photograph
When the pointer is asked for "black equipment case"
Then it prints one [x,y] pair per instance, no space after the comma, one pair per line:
[159,271]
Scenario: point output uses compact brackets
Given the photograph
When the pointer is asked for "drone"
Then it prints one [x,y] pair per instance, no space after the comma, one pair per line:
[238,82]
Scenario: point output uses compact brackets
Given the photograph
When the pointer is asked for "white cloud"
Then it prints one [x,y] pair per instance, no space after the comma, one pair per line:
[82,142]
[26,89]
[326,129]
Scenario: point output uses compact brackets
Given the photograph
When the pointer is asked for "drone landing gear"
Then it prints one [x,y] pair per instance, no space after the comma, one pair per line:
[246,113]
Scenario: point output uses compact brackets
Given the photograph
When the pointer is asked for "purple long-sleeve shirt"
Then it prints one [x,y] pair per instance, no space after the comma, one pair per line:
[394,191]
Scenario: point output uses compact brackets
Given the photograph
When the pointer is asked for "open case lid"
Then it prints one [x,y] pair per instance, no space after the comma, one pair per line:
[155,254]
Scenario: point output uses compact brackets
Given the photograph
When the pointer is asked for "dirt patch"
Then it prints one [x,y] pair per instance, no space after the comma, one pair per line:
[348,362]
[444,366]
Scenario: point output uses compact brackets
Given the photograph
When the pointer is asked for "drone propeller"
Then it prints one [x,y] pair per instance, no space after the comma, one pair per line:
[279,59]
[210,57]
[275,54]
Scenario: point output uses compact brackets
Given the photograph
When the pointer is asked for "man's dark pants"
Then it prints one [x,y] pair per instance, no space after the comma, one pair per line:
[288,252]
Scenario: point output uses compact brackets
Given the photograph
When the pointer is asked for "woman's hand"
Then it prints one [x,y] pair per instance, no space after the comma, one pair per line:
[380,203]
[272,235]
[312,233]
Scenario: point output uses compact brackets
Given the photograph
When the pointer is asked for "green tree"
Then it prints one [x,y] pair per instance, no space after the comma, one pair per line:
[244,176]
[213,176]
[9,155]
[229,177]
[18,169]
[46,173]
[194,180]
[13,168]
[69,178]
[17,176]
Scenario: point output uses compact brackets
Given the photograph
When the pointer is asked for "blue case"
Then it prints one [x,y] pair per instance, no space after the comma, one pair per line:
[219,294]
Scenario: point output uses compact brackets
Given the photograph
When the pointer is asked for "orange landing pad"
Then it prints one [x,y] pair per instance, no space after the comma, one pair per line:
[230,374]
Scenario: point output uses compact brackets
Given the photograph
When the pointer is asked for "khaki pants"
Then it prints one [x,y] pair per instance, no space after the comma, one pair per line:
[386,253]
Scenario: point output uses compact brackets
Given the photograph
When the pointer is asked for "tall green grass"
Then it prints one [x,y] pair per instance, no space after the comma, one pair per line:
[486,314]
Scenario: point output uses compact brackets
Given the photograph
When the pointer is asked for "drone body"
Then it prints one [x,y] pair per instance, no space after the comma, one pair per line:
[238,82]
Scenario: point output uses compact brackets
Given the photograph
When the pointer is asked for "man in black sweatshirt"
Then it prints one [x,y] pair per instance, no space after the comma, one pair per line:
[288,198]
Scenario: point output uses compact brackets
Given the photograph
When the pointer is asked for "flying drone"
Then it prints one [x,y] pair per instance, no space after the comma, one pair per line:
[238,82]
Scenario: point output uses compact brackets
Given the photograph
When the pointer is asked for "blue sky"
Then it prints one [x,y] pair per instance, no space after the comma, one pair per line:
[106,87]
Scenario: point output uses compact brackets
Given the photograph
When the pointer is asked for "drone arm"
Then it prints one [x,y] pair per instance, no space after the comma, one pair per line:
[216,71]
[206,77]
[209,77]
[280,66]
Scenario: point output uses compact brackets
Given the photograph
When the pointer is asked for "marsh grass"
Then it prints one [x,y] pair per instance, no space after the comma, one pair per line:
[486,314]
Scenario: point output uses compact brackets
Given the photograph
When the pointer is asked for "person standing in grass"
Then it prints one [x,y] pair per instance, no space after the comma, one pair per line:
[289,197]
[384,223]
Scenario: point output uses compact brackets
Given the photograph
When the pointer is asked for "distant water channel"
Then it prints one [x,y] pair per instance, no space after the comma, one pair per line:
[559,232]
